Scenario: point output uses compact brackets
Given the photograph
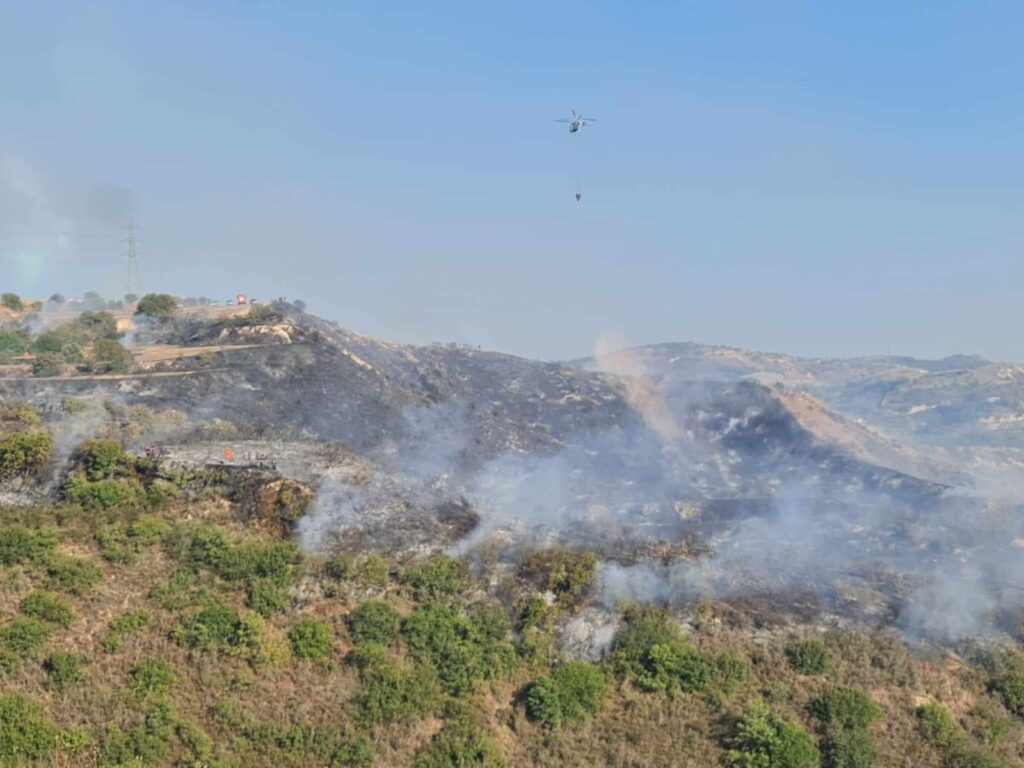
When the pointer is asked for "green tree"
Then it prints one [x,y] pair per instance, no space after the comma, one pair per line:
[93,300]
[160,305]
[96,325]
[12,344]
[108,356]
[12,301]
[48,364]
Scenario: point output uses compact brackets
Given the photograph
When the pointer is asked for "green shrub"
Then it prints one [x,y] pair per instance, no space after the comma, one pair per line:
[266,647]
[19,416]
[148,744]
[76,575]
[461,744]
[113,493]
[198,744]
[160,491]
[849,748]
[25,732]
[369,656]
[63,669]
[177,592]
[732,671]
[570,694]
[121,544]
[126,624]
[114,545]
[147,530]
[762,739]
[215,627]
[537,647]
[534,612]
[311,639]
[674,666]
[567,573]
[389,691]
[208,547]
[372,573]
[72,406]
[151,676]
[24,637]
[808,657]
[48,607]
[651,651]
[368,573]
[374,622]
[642,628]
[463,648]
[24,453]
[437,578]
[938,727]
[846,714]
[20,545]
[266,597]
[75,740]
[100,458]
[1010,687]
[846,708]
[357,753]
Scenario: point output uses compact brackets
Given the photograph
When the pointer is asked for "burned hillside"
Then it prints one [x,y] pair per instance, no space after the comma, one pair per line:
[447,448]
[425,551]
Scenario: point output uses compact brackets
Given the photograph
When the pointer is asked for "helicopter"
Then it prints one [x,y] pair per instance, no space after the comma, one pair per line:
[577,122]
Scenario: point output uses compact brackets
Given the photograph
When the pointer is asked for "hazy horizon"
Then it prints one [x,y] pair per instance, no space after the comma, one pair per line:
[813,181]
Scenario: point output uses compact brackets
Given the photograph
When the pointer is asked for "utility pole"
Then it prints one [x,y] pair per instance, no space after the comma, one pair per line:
[134,284]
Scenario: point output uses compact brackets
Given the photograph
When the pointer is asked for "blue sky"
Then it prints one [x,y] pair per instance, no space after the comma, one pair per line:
[825,179]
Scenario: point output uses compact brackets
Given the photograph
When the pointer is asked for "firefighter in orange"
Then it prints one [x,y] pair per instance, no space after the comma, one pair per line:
[228,454]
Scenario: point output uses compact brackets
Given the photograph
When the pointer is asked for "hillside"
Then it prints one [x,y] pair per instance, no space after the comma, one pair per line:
[262,539]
